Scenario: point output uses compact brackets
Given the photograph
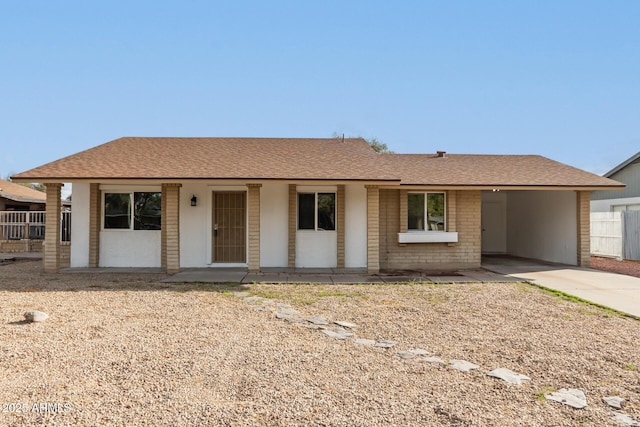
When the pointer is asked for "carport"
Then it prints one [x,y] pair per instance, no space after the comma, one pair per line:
[537,224]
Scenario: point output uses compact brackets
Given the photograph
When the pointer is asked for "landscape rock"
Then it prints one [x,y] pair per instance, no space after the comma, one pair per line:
[509,376]
[463,365]
[35,316]
[337,333]
[385,344]
[625,420]
[405,355]
[418,351]
[346,324]
[614,401]
[570,397]
[317,320]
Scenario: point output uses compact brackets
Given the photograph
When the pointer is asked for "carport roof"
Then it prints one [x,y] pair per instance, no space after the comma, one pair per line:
[304,159]
[492,171]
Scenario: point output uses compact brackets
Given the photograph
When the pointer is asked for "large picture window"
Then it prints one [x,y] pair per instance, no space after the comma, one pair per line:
[137,211]
[316,211]
[426,212]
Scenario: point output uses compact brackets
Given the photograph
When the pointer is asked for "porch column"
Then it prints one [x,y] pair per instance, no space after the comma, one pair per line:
[170,224]
[51,259]
[373,229]
[584,228]
[95,217]
[293,203]
[253,203]
[340,212]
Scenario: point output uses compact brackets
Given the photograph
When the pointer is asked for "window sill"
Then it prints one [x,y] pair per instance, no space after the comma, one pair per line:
[428,237]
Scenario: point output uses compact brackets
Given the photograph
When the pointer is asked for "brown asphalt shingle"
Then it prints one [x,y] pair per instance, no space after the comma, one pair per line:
[490,170]
[219,158]
[305,159]
[20,193]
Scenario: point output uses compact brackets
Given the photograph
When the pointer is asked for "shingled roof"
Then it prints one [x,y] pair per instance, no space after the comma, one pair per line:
[219,158]
[491,171]
[20,193]
[330,159]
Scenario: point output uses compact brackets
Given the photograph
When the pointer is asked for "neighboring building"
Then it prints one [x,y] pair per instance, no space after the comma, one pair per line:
[627,199]
[312,203]
[16,197]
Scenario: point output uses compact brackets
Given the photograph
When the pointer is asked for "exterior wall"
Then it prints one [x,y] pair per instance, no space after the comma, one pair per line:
[253,226]
[65,254]
[316,248]
[355,240]
[542,225]
[432,256]
[274,201]
[80,225]
[25,245]
[607,205]
[629,175]
[128,248]
[51,253]
[195,225]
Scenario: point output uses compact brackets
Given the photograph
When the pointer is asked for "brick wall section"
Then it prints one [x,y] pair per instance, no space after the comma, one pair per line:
[373,229]
[24,245]
[584,228]
[51,256]
[170,237]
[404,211]
[95,217]
[432,256]
[65,254]
[293,201]
[452,210]
[253,193]
[340,212]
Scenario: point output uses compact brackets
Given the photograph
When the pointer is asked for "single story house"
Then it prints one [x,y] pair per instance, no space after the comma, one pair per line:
[294,203]
[627,199]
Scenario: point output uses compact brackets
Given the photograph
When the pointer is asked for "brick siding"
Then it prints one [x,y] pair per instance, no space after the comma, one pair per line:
[463,216]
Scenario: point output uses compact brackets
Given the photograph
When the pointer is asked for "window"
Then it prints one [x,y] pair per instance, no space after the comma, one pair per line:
[316,211]
[143,207]
[426,212]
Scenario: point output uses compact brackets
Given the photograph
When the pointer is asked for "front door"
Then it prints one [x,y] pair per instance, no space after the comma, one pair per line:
[229,226]
[494,228]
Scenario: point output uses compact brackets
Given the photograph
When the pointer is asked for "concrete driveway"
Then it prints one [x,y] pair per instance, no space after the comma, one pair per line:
[617,291]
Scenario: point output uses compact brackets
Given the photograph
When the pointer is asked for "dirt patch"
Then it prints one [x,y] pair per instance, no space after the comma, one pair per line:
[121,349]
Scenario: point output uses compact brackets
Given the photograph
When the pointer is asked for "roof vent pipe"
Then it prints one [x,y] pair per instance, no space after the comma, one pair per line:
[441,153]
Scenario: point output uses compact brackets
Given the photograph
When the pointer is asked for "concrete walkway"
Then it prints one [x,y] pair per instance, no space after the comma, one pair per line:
[617,291]
[329,276]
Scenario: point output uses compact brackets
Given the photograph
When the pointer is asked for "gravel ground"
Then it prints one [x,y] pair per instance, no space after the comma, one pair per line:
[628,267]
[123,349]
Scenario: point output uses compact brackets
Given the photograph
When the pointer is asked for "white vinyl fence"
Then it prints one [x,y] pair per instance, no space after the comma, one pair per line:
[606,234]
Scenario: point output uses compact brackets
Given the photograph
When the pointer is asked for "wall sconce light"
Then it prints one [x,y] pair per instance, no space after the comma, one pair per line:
[194,200]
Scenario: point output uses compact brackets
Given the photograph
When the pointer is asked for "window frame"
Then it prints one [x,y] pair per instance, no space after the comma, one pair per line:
[425,217]
[316,194]
[132,209]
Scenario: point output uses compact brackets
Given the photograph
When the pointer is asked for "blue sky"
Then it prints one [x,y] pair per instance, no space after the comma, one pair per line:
[560,79]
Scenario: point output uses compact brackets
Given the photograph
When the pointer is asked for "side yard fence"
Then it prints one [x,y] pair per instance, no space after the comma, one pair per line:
[616,234]
[24,231]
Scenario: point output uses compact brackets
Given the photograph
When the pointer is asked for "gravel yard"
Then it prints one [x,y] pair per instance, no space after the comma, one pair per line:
[124,349]
[625,266]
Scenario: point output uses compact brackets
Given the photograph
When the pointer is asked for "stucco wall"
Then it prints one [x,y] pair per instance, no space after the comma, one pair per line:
[431,256]
[542,225]
[274,202]
[80,225]
[355,226]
